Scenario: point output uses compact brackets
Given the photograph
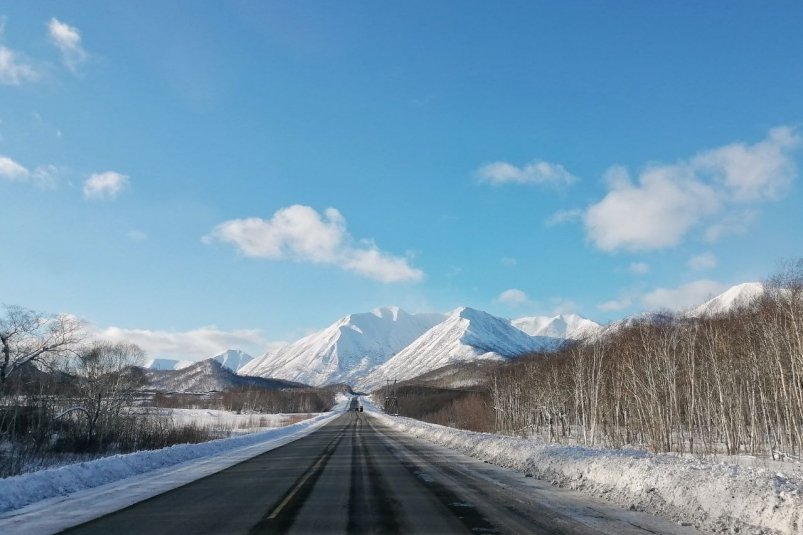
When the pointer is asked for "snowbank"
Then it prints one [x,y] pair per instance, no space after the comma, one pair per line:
[91,489]
[715,497]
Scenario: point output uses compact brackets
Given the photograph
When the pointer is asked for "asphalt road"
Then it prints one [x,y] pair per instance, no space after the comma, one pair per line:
[357,476]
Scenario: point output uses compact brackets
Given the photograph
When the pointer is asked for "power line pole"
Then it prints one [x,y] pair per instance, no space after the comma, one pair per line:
[391,399]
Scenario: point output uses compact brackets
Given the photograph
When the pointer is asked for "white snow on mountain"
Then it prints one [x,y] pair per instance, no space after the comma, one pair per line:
[167,364]
[233,359]
[346,350]
[467,334]
[562,326]
[735,297]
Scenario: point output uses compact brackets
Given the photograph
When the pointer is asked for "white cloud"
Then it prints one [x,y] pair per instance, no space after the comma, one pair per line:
[194,344]
[639,268]
[14,70]
[43,176]
[512,296]
[537,172]
[682,297]
[301,234]
[735,223]
[508,261]
[753,172]
[615,305]
[655,213]
[106,185]
[564,216]
[68,40]
[666,202]
[702,262]
[12,171]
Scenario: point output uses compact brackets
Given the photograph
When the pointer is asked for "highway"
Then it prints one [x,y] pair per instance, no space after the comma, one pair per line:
[357,476]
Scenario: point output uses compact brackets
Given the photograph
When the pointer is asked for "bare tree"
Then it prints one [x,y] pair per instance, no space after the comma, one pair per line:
[107,379]
[27,336]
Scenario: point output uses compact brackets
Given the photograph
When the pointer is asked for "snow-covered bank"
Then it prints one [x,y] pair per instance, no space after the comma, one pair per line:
[52,500]
[714,497]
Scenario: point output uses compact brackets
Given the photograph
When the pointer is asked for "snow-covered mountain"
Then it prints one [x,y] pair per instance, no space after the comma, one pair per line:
[346,350]
[207,376]
[166,364]
[465,335]
[233,359]
[562,326]
[735,297]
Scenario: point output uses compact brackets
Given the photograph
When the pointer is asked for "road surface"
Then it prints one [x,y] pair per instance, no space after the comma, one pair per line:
[358,476]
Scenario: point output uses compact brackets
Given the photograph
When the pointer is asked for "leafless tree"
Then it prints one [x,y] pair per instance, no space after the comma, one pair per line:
[28,337]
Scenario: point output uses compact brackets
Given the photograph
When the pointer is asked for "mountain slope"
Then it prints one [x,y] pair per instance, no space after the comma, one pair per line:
[233,359]
[735,297]
[467,334]
[563,326]
[346,350]
[207,376]
[166,364]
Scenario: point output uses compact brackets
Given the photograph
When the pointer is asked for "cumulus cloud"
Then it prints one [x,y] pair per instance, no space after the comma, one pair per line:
[537,172]
[512,296]
[12,171]
[103,186]
[68,40]
[639,268]
[665,202]
[194,344]
[43,176]
[301,234]
[682,297]
[656,212]
[14,70]
[702,262]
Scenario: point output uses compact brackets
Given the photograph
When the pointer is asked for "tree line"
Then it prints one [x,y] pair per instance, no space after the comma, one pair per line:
[729,383]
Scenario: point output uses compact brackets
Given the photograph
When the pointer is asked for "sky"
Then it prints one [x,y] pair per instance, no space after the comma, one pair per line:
[194,176]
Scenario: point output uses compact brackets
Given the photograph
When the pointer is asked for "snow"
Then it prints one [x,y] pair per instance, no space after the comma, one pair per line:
[167,364]
[735,297]
[52,500]
[233,359]
[713,496]
[227,421]
[467,334]
[346,350]
[562,326]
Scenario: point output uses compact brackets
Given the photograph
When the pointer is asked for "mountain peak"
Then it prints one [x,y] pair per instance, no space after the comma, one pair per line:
[563,326]
[734,297]
[392,312]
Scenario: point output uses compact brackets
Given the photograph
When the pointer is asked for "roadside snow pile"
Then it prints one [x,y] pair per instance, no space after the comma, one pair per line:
[714,497]
[19,491]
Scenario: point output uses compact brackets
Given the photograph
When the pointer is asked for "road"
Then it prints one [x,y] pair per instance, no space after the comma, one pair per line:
[358,476]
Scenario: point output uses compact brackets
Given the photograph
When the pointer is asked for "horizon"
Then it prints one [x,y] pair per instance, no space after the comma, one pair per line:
[242,178]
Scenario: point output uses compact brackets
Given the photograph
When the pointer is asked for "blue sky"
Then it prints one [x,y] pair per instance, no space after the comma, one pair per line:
[198,175]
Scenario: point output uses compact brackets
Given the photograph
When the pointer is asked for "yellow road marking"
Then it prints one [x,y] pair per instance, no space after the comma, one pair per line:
[298,486]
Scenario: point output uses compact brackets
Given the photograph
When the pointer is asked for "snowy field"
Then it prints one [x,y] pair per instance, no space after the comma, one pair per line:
[52,500]
[763,498]
[226,422]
